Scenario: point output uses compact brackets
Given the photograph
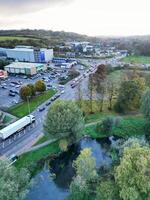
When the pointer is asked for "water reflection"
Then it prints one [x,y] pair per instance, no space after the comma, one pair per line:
[55,187]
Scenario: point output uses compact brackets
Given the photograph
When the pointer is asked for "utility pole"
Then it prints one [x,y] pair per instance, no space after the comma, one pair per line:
[28,104]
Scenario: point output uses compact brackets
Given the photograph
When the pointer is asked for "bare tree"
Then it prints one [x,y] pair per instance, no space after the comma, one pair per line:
[79,95]
[111,91]
[91,88]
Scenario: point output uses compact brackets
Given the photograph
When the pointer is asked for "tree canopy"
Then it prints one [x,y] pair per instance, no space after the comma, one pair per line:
[40,86]
[129,97]
[133,174]
[13,183]
[145,106]
[64,119]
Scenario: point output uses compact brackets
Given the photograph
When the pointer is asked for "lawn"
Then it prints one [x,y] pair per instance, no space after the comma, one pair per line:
[21,110]
[31,158]
[137,59]
[4,38]
[129,126]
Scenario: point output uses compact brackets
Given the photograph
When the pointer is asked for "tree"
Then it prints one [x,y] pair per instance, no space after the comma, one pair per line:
[85,166]
[25,93]
[129,97]
[13,183]
[133,174]
[111,91]
[40,86]
[64,119]
[145,106]
[79,95]
[106,126]
[32,88]
[91,91]
[107,190]
[100,84]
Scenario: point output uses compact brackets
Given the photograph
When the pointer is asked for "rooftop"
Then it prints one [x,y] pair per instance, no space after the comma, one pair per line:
[24,65]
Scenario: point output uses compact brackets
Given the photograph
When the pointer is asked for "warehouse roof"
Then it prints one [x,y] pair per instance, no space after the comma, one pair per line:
[23,65]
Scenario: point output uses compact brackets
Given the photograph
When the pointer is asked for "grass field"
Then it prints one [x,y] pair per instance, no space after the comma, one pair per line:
[26,160]
[137,59]
[4,38]
[129,126]
[21,110]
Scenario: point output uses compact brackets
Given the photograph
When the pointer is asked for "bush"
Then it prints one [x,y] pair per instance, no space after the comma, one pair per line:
[106,126]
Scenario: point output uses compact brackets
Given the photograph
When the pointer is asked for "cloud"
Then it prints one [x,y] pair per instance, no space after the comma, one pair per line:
[17,7]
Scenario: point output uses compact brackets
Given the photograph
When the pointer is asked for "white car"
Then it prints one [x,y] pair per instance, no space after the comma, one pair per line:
[62,92]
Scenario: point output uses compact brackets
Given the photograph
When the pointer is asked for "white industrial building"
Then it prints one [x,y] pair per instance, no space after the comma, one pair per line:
[25,68]
[30,54]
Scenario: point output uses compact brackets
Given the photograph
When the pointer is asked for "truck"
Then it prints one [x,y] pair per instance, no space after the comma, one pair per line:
[16,126]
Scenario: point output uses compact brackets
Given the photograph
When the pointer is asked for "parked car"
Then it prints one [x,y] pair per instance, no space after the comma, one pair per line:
[12,94]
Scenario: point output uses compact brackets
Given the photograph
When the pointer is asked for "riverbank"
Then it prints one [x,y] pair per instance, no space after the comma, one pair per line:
[130,125]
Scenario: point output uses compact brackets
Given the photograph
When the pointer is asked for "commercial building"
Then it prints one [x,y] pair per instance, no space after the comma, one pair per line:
[30,54]
[3,74]
[25,68]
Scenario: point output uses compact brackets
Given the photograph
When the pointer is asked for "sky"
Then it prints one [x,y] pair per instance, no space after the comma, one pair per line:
[90,17]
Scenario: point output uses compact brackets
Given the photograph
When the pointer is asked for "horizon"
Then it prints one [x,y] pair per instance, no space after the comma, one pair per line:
[97,18]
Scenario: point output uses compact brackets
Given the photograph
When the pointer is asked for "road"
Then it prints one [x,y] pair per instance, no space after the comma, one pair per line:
[25,139]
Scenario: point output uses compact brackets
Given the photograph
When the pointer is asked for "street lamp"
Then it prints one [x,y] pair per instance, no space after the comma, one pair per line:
[28,104]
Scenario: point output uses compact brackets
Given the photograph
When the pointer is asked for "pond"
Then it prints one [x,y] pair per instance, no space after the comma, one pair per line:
[52,182]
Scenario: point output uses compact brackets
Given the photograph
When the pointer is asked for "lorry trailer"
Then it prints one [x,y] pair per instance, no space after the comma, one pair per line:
[16,126]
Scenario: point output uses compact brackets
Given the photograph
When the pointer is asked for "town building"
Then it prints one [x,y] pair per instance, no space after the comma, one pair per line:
[25,68]
[30,54]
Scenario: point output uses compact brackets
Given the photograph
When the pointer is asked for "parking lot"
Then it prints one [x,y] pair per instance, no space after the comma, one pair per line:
[9,89]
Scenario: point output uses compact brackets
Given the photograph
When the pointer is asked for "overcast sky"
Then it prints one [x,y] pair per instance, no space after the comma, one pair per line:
[90,17]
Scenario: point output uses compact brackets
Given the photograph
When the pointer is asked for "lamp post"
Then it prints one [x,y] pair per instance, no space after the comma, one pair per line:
[28,104]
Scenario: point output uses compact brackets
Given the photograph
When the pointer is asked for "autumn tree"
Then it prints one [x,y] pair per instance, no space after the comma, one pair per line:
[25,92]
[99,78]
[40,86]
[79,95]
[32,88]
[91,91]
[112,89]
[129,97]
[133,174]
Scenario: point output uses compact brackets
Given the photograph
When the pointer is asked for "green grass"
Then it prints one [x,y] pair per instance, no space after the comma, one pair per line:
[31,158]
[129,126]
[137,59]
[4,38]
[21,110]
[98,116]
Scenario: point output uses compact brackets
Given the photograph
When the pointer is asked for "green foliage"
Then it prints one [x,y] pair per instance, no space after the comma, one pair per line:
[64,119]
[32,88]
[133,174]
[40,86]
[21,109]
[25,93]
[107,190]
[13,183]
[145,106]
[105,127]
[3,63]
[85,165]
[129,97]
[79,190]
